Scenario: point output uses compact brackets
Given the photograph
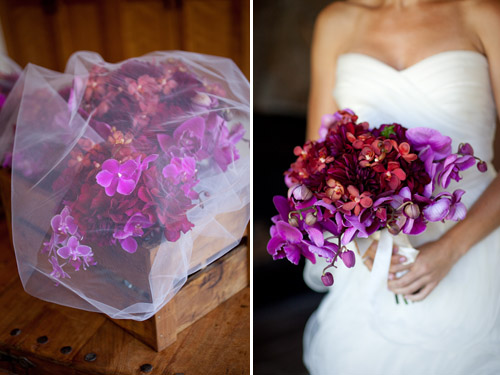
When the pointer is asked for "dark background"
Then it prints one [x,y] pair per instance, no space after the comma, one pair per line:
[282,302]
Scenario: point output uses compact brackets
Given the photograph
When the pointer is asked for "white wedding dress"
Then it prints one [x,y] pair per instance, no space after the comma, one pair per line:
[456,329]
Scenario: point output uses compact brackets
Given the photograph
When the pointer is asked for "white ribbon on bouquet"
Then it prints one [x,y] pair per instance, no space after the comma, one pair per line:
[382,260]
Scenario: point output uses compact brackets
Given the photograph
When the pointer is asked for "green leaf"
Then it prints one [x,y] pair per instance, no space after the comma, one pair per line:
[388,130]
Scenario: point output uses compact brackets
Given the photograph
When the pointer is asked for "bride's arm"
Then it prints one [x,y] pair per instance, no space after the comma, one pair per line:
[331,32]
[436,258]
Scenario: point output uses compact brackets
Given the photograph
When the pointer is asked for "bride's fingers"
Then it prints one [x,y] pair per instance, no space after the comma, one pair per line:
[408,289]
[407,284]
[395,268]
[421,294]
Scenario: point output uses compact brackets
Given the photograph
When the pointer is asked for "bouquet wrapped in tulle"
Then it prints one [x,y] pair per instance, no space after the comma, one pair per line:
[127,177]
[9,73]
[355,181]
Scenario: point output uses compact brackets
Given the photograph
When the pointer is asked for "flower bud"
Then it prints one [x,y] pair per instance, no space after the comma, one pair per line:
[348,257]
[201,99]
[311,218]
[482,166]
[412,211]
[327,279]
[465,149]
[393,228]
[302,193]
[293,221]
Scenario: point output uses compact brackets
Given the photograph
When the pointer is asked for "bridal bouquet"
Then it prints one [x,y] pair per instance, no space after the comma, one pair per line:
[128,172]
[355,181]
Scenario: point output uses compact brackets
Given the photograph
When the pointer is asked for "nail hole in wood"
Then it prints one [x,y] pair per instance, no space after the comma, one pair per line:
[146,368]
[42,339]
[90,357]
[66,349]
[15,332]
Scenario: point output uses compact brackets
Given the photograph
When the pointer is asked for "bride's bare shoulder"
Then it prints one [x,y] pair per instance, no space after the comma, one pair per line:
[339,16]
[484,16]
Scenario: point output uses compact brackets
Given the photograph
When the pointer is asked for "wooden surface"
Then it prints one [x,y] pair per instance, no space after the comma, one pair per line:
[219,343]
[202,293]
[47,32]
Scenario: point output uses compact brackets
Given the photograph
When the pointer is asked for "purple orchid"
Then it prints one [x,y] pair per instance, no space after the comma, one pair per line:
[420,138]
[57,270]
[133,228]
[76,253]
[452,165]
[189,135]
[407,213]
[122,178]
[63,223]
[180,170]
[287,241]
[446,206]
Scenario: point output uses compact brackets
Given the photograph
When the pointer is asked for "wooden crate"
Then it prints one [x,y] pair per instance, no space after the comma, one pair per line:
[203,291]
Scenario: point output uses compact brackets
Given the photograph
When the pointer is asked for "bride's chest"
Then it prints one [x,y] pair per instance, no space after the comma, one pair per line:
[402,38]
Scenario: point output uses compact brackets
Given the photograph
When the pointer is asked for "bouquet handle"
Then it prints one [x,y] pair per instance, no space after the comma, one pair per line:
[382,261]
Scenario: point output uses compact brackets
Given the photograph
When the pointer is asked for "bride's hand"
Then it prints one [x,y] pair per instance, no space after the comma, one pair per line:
[432,264]
[396,260]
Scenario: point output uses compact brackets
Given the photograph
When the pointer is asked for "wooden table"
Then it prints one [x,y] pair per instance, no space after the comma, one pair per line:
[42,338]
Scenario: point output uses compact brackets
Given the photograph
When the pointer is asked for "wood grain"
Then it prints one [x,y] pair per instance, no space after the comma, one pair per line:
[203,292]
[218,343]
[121,29]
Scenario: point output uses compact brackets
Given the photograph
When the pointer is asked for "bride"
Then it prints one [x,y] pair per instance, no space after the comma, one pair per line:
[432,63]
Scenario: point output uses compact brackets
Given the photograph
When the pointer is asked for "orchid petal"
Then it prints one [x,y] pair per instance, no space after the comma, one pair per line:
[83,250]
[104,178]
[292,253]
[323,252]
[126,187]
[316,236]
[281,204]
[64,252]
[129,245]
[111,189]
[111,165]
[288,232]
[437,211]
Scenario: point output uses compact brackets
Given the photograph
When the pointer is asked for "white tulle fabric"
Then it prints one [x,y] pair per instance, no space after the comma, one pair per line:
[123,286]
[456,329]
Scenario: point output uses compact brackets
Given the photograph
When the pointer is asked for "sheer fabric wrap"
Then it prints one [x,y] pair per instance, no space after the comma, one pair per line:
[127,177]
[9,73]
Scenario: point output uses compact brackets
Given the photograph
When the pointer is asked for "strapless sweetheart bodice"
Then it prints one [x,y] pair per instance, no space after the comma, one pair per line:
[449,91]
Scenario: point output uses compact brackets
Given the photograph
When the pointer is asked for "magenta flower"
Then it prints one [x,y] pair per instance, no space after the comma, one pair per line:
[63,223]
[118,178]
[286,241]
[73,250]
[57,270]
[122,178]
[420,138]
[189,135]
[446,207]
[452,165]
[180,170]
[133,228]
